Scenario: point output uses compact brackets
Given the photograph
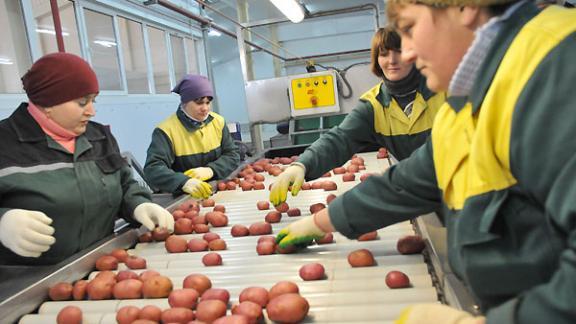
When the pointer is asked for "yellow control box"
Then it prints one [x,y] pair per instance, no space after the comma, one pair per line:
[313,93]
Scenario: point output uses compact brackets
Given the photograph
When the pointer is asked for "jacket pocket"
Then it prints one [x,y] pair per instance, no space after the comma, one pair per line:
[110,163]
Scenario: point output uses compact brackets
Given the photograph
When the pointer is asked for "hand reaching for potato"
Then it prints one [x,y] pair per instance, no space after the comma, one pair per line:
[26,232]
[150,215]
[294,175]
[301,232]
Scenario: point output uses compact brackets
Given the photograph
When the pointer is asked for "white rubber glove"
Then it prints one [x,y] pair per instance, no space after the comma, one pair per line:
[150,215]
[436,313]
[197,188]
[294,175]
[201,173]
[26,232]
[300,232]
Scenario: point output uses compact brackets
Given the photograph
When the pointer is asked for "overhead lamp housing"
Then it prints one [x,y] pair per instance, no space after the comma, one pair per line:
[291,9]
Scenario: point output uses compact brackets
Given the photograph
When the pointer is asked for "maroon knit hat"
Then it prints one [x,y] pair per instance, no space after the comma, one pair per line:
[57,78]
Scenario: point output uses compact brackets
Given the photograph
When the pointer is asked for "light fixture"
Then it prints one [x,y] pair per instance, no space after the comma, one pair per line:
[50,31]
[290,8]
[214,32]
[6,61]
[105,43]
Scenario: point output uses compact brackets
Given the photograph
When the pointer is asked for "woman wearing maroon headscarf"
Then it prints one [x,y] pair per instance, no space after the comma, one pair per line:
[63,181]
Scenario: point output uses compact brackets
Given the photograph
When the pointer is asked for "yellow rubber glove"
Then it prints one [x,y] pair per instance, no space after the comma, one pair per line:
[197,188]
[300,232]
[150,215]
[26,232]
[436,313]
[201,173]
[293,175]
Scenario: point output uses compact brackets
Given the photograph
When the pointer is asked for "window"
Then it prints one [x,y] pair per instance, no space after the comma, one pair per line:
[158,49]
[134,55]
[192,59]
[15,56]
[103,50]
[45,26]
[178,57]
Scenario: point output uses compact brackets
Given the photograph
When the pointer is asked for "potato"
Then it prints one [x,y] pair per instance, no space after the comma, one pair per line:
[314,208]
[160,234]
[201,228]
[157,287]
[106,262]
[365,176]
[283,287]
[265,248]
[329,186]
[410,244]
[61,291]
[79,290]
[197,245]
[273,217]
[305,186]
[263,205]
[120,254]
[231,185]
[178,214]
[283,207]
[199,219]
[208,237]
[210,310]
[217,219]
[258,186]
[128,289]
[329,198]
[145,238]
[69,315]
[232,319]
[287,250]
[251,310]
[357,160]
[327,239]
[212,259]
[185,297]
[145,275]
[191,214]
[217,245]
[135,262]
[246,186]
[361,258]
[352,168]
[370,236]
[219,208]
[221,186]
[397,279]
[127,314]
[146,321]
[361,168]
[99,289]
[239,230]
[188,205]
[316,185]
[347,177]
[259,177]
[288,308]
[183,226]
[257,295]
[150,312]
[312,271]
[126,274]
[177,315]
[208,202]
[262,228]
[339,170]
[293,212]
[175,244]
[106,275]
[216,293]
[197,281]
[266,238]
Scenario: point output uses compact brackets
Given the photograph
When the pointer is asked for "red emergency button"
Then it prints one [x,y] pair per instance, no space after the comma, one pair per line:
[314,100]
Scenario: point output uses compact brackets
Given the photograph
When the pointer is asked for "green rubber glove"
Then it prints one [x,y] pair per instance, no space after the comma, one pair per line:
[299,233]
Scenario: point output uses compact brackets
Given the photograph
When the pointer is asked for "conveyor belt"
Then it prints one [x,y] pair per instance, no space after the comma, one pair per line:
[347,295]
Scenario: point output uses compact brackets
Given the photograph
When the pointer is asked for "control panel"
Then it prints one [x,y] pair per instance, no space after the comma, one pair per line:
[313,94]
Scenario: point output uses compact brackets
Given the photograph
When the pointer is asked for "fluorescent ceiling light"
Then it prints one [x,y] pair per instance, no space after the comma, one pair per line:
[6,61]
[105,43]
[290,8]
[214,32]
[50,31]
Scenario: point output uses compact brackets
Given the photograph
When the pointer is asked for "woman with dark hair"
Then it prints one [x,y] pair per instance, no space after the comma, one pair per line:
[397,113]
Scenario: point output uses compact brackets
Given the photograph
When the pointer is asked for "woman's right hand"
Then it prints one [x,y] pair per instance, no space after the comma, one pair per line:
[293,175]
[26,232]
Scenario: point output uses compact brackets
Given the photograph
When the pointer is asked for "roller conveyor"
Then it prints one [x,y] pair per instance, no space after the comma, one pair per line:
[346,295]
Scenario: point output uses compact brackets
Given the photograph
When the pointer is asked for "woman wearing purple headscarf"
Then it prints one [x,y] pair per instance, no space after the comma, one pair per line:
[191,146]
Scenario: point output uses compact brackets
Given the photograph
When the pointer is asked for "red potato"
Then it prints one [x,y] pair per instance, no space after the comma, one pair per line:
[249,309]
[106,275]
[316,185]
[283,207]
[145,275]
[265,248]
[201,228]
[216,293]
[217,245]
[410,244]
[381,155]
[326,175]
[327,239]
[177,315]
[353,168]
[293,212]
[258,186]
[312,271]
[339,170]
[145,238]
[99,289]
[365,176]
[259,177]
[217,219]
[347,177]
[221,186]
[285,160]
[263,205]
[146,321]
[128,289]
[127,314]
[135,262]
[361,258]
[208,237]
[69,315]
[61,291]
[120,254]
[257,295]
[314,208]
[187,205]
[232,319]
[197,281]
[150,312]
[306,186]
[199,220]
[288,308]
[329,186]
[160,234]
[231,185]
[79,290]
[246,186]
[126,274]
[210,310]
[219,208]
[266,238]
[283,287]
[197,245]
[273,217]
[191,214]
[329,198]
[212,259]
[185,297]
[397,279]
[157,287]
[183,226]
[361,167]
[106,262]
[175,244]
[357,160]
[262,228]
[239,230]
[208,202]
[287,250]
[178,214]
[370,236]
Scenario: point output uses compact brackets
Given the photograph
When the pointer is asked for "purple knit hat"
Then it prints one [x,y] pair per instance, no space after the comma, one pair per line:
[193,87]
